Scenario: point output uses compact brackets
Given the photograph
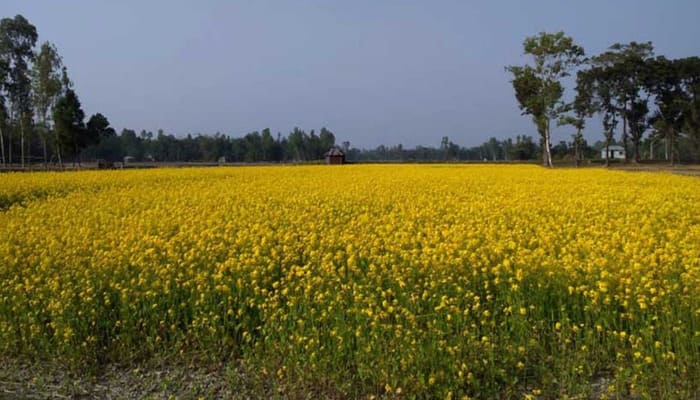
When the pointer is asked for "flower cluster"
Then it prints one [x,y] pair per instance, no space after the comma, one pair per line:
[436,281]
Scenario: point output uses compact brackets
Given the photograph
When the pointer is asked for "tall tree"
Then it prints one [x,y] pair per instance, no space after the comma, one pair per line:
[46,89]
[66,85]
[267,142]
[626,68]
[538,88]
[689,70]
[602,87]
[665,83]
[3,108]
[327,139]
[445,146]
[17,39]
[98,128]
[583,107]
[69,124]
[296,140]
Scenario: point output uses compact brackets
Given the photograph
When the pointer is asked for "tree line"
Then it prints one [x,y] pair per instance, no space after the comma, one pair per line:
[643,100]
[296,146]
[41,119]
[300,146]
[40,114]
[636,93]
[262,146]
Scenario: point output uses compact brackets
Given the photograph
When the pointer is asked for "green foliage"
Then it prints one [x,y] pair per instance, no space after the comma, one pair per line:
[98,126]
[538,88]
[17,38]
[69,123]
[625,69]
[46,88]
[46,78]
[675,85]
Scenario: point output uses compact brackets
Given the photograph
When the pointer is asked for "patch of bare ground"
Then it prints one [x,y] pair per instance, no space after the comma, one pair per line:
[680,169]
[155,380]
[21,380]
[196,380]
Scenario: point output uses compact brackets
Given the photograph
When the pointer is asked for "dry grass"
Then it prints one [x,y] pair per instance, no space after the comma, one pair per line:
[155,380]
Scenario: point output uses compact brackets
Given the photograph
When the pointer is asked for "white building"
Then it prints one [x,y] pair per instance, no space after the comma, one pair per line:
[614,152]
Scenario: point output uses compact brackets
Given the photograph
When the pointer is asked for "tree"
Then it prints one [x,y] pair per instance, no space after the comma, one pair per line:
[69,124]
[675,85]
[3,110]
[626,71]
[66,85]
[493,147]
[46,89]
[524,148]
[561,149]
[598,86]
[314,151]
[296,140]
[98,128]
[538,88]
[689,70]
[445,146]
[583,107]
[665,83]
[637,120]
[17,39]
[132,145]
[609,121]
[254,149]
[98,131]
[327,139]
[267,143]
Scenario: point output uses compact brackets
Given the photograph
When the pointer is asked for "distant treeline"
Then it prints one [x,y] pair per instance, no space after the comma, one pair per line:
[300,146]
[652,102]
[522,148]
[256,146]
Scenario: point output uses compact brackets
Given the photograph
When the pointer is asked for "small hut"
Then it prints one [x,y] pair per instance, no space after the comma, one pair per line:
[335,156]
[616,152]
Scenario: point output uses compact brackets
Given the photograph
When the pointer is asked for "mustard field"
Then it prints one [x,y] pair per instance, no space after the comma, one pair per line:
[363,281]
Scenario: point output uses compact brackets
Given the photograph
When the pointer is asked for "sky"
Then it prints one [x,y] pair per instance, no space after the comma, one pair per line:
[373,72]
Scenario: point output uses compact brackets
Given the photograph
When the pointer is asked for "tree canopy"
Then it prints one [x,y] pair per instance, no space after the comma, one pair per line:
[538,87]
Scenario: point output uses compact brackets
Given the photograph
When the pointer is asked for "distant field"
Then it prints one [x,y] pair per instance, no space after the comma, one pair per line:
[392,281]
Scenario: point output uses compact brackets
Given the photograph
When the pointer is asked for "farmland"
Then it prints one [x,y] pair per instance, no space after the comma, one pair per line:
[392,281]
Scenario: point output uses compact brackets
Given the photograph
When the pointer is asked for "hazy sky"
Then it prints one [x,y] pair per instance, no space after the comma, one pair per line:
[372,71]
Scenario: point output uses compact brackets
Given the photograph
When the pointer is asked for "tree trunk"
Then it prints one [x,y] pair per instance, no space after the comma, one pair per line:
[75,154]
[2,147]
[58,149]
[43,133]
[46,152]
[672,134]
[9,146]
[547,154]
[577,147]
[21,143]
[624,132]
[607,153]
